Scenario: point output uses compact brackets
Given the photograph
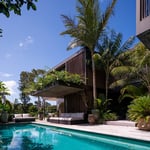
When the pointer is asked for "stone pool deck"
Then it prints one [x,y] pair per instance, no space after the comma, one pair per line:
[122,128]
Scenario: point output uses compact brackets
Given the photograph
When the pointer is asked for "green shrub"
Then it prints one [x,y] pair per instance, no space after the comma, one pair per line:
[54,76]
[139,108]
[110,116]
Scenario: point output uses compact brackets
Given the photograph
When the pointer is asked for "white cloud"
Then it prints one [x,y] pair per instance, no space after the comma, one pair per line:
[13,90]
[11,85]
[27,41]
[20,44]
[7,75]
[8,55]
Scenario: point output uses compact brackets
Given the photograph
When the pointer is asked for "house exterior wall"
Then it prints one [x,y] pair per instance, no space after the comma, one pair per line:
[82,101]
[143,21]
[77,64]
[73,103]
[100,78]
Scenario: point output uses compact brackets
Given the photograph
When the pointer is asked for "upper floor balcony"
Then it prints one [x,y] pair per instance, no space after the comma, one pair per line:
[143,21]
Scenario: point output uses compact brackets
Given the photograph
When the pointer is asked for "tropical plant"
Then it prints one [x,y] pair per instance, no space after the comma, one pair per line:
[54,76]
[4,103]
[91,22]
[110,48]
[104,113]
[141,62]
[3,89]
[139,108]
[7,106]
[131,91]
[134,70]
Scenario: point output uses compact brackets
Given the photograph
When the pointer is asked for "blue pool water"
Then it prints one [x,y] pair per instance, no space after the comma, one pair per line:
[38,137]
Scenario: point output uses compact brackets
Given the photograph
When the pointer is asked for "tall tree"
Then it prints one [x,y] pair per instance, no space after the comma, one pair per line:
[110,48]
[140,59]
[7,6]
[91,22]
[135,70]
[23,83]
[26,84]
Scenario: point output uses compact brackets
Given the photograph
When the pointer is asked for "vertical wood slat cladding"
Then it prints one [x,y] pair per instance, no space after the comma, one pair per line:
[74,103]
[77,64]
[100,78]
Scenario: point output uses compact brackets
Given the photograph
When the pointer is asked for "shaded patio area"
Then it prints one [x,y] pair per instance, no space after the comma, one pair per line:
[58,90]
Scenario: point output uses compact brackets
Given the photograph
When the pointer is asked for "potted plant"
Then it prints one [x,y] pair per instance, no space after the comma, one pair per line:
[101,113]
[139,111]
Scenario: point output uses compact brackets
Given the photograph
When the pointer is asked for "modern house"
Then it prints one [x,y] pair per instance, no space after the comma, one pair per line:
[76,98]
[143,21]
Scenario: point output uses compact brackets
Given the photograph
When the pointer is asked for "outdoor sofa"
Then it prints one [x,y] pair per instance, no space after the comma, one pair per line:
[23,118]
[68,118]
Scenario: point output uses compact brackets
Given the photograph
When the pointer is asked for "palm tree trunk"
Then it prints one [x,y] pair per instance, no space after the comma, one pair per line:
[107,80]
[94,80]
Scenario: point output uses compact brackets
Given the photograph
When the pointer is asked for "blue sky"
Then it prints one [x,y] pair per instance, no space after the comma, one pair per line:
[33,39]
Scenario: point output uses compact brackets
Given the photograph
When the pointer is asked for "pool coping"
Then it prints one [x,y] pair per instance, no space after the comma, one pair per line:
[113,130]
[129,132]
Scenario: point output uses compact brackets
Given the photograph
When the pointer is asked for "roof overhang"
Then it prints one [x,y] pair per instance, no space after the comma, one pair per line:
[57,91]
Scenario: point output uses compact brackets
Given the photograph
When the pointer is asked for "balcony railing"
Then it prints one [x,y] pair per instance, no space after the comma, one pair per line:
[144,9]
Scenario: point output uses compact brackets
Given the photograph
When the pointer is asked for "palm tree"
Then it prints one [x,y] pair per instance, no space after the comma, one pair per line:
[91,22]
[3,91]
[141,61]
[134,70]
[109,55]
[5,105]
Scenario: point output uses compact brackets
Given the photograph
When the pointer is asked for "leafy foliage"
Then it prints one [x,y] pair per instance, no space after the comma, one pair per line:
[52,77]
[140,59]
[131,91]
[15,6]
[133,74]
[139,108]
[3,89]
[108,56]
[26,85]
[6,6]
[104,112]
[7,106]
[87,30]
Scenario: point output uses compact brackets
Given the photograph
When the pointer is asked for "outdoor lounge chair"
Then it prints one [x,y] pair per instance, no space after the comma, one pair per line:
[68,118]
[23,118]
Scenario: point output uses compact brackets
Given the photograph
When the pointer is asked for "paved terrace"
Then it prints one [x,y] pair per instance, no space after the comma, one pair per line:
[118,128]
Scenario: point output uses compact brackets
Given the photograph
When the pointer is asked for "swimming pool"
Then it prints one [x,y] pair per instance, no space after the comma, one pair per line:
[40,137]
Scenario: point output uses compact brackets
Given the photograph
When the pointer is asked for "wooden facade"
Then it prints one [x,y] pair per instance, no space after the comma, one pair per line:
[81,101]
[76,99]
